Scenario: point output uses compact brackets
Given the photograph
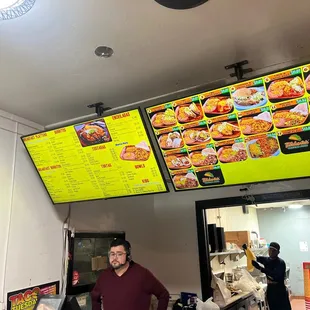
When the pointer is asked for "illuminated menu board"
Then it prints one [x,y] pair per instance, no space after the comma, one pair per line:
[108,157]
[249,132]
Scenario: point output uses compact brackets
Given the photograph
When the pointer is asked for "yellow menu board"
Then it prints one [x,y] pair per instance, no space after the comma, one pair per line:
[253,131]
[108,157]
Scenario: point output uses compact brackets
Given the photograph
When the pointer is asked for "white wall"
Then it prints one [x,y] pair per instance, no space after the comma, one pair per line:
[233,219]
[288,229]
[30,228]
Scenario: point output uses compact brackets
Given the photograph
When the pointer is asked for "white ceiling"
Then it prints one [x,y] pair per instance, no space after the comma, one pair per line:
[48,71]
[283,204]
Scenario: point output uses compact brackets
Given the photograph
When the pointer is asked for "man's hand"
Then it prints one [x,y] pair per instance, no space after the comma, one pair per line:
[256,265]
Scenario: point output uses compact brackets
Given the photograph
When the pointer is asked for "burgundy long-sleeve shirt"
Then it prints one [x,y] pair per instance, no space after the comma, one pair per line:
[131,291]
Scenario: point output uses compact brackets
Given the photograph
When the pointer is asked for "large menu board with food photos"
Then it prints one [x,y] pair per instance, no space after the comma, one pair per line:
[253,131]
[108,157]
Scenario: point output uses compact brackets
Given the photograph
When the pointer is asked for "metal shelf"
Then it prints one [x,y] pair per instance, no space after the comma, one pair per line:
[235,255]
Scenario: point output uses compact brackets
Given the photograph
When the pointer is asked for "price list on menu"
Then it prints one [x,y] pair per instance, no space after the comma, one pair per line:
[104,158]
[249,132]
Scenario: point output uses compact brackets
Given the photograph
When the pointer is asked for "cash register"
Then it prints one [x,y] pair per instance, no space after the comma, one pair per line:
[57,302]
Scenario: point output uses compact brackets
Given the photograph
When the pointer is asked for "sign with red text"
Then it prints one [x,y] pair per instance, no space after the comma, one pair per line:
[25,299]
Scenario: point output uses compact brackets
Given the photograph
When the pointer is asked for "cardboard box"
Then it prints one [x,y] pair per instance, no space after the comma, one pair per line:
[238,237]
[99,263]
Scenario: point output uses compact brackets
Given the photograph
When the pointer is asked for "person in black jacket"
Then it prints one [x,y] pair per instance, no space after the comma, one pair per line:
[275,269]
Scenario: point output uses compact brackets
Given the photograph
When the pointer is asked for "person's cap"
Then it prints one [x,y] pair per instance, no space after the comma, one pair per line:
[275,245]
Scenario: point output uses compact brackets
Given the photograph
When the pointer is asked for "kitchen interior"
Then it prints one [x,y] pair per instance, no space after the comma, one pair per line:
[257,226]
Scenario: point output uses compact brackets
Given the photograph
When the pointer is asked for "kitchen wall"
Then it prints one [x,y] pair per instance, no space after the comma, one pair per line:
[288,229]
[232,219]
[30,227]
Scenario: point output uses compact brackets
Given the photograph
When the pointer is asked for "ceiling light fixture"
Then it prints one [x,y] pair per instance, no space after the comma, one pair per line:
[295,206]
[10,9]
[104,51]
[180,4]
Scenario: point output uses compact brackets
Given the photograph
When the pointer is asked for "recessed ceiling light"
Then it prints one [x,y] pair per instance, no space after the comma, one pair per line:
[10,9]
[104,51]
[295,206]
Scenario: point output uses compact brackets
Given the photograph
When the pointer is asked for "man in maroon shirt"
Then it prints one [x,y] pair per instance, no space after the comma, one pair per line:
[126,285]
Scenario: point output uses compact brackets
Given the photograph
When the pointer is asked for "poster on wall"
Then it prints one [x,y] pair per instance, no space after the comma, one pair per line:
[249,132]
[25,299]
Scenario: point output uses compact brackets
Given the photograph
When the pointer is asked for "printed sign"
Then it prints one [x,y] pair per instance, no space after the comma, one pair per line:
[25,299]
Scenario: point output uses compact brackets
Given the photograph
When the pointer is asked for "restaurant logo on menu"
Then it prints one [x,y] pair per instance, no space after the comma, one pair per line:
[26,299]
[296,142]
[209,178]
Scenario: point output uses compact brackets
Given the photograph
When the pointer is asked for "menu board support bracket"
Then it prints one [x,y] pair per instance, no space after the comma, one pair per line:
[99,108]
[239,70]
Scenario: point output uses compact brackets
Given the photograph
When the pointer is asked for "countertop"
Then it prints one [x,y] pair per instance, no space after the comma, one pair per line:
[234,300]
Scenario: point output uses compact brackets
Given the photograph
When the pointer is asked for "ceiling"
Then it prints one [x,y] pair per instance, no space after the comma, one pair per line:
[49,73]
[283,204]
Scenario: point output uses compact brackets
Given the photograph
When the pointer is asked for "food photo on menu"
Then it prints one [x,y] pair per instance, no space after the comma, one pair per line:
[138,152]
[163,118]
[258,122]
[285,88]
[91,133]
[291,114]
[217,105]
[306,71]
[228,129]
[263,146]
[191,112]
[246,98]
[203,156]
[184,179]
[196,135]
[171,140]
[307,82]
[178,160]
[232,151]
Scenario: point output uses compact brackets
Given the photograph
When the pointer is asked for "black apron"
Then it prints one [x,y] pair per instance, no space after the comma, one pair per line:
[277,297]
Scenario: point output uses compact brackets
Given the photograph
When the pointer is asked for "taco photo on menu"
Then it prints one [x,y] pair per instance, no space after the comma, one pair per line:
[178,161]
[164,119]
[171,140]
[189,113]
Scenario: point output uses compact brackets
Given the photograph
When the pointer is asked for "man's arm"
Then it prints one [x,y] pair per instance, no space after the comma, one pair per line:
[277,274]
[96,294]
[261,259]
[156,288]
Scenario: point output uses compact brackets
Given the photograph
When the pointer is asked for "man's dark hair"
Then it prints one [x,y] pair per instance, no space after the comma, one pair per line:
[123,242]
